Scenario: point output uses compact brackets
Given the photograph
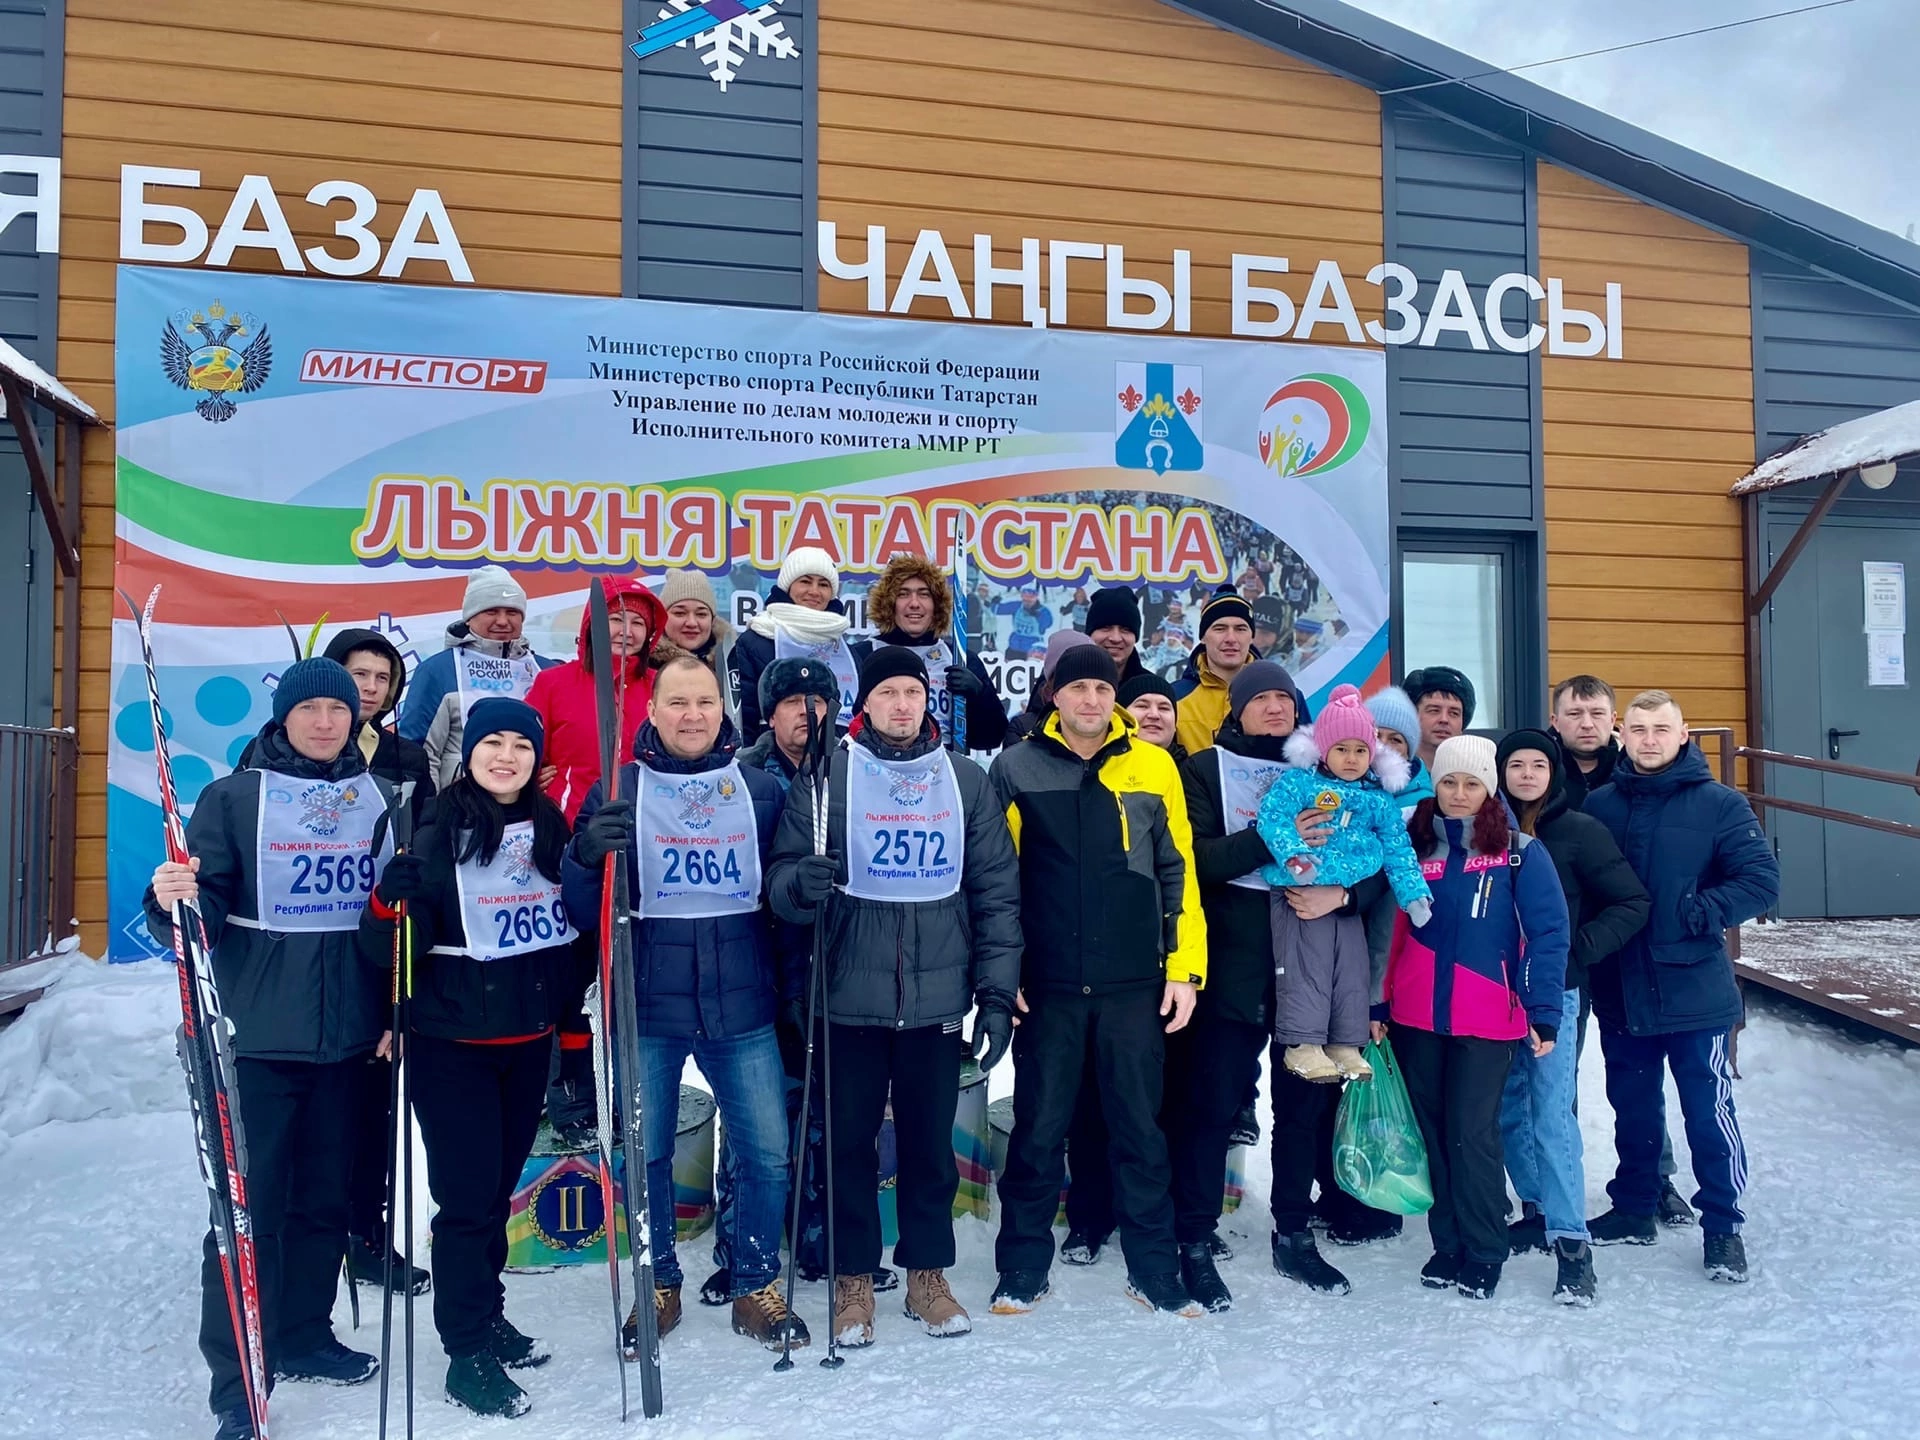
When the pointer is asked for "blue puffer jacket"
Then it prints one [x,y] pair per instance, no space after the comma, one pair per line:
[1369,833]
[709,978]
[1704,859]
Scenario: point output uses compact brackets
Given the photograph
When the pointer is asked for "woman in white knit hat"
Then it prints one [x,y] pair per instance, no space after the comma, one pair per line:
[696,627]
[802,618]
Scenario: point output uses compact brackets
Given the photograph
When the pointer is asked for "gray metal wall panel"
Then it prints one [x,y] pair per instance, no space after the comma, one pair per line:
[717,194]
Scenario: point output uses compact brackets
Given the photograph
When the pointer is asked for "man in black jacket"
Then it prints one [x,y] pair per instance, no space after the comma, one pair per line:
[1583,722]
[1113,623]
[305,1009]
[920,894]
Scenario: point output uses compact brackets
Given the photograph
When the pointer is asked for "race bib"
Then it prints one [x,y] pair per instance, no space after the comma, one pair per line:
[508,907]
[480,676]
[314,862]
[699,846]
[906,832]
[835,655]
[1244,782]
[937,657]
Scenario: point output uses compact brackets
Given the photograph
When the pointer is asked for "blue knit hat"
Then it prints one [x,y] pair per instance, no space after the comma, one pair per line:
[315,679]
[502,712]
[1393,710]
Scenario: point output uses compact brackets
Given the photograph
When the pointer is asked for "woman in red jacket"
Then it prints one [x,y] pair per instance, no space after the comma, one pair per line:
[564,694]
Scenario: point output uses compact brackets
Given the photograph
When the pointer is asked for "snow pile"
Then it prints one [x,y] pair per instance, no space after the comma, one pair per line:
[98,1043]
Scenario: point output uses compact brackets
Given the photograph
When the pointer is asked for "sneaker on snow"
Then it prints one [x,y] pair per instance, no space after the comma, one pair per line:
[367,1265]
[1219,1248]
[666,1315]
[1298,1258]
[1359,1224]
[717,1288]
[476,1382]
[1165,1292]
[1311,1062]
[1674,1212]
[853,1312]
[1478,1279]
[1246,1127]
[235,1424]
[1575,1284]
[1203,1282]
[1616,1227]
[1019,1291]
[1351,1064]
[1726,1259]
[331,1364]
[1441,1270]
[930,1301]
[513,1349]
[1528,1233]
[1082,1248]
[763,1316]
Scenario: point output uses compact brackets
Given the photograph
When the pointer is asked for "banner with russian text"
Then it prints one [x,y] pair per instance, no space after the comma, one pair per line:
[291,448]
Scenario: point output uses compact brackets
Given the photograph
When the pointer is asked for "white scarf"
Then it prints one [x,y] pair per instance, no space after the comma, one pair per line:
[809,627]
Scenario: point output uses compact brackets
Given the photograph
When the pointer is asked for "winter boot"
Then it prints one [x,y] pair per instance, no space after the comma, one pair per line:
[1357,1224]
[1674,1212]
[1441,1271]
[1726,1259]
[514,1350]
[477,1383]
[1219,1248]
[1529,1232]
[931,1302]
[717,1288]
[1246,1127]
[666,1315]
[885,1280]
[1298,1258]
[577,1136]
[1165,1292]
[235,1424]
[1203,1282]
[1478,1279]
[1576,1284]
[1311,1062]
[1350,1062]
[1616,1227]
[853,1311]
[367,1265]
[330,1364]
[1019,1291]
[764,1316]
[1083,1247]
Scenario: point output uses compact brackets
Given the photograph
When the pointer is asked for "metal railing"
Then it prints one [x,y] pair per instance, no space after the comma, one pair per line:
[39,773]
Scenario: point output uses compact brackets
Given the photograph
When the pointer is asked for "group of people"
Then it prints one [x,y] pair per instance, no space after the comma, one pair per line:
[1152,885]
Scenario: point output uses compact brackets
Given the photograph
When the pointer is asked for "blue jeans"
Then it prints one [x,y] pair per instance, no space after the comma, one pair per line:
[1704,1076]
[1542,1135]
[749,1086]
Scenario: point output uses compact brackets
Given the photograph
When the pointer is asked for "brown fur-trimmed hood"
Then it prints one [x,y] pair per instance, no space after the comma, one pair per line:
[886,590]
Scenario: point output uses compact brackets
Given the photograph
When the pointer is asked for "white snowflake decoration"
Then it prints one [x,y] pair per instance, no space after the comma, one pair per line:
[723,48]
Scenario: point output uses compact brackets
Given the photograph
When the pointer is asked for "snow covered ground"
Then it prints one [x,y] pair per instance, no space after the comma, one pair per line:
[98,1305]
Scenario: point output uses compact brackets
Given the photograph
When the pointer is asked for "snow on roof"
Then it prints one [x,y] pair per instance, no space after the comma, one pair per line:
[42,384]
[1872,439]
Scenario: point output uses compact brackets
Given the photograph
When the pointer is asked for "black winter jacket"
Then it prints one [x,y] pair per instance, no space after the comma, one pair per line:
[456,997]
[1579,783]
[909,964]
[1708,866]
[297,995]
[752,652]
[710,978]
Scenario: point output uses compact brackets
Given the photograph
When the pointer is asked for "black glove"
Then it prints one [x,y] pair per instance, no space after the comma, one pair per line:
[405,878]
[1547,1033]
[992,1034]
[963,682]
[813,878]
[610,829]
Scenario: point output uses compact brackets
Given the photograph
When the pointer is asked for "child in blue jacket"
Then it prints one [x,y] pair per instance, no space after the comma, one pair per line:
[1322,974]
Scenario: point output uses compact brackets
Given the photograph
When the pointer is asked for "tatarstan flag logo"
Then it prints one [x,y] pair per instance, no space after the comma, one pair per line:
[1313,423]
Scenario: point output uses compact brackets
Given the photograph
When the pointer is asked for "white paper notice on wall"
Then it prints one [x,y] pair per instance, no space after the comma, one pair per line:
[1886,658]
[1886,589]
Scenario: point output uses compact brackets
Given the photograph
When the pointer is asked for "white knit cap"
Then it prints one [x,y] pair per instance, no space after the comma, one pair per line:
[491,588]
[1467,755]
[808,560]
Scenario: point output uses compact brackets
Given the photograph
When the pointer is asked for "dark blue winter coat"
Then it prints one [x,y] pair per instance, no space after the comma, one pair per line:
[1704,859]
[711,978]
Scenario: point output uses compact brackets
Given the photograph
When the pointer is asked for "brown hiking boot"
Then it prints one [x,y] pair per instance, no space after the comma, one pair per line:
[666,1315]
[853,1310]
[931,1303]
[764,1316]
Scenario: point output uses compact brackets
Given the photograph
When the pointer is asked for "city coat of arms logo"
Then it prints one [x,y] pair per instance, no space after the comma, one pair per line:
[216,354]
[1156,417]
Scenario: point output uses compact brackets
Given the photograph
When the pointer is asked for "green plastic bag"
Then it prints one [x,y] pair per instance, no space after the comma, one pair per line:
[1378,1155]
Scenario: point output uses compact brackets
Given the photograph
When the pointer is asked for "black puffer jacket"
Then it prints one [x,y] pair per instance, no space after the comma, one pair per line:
[910,964]
[301,995]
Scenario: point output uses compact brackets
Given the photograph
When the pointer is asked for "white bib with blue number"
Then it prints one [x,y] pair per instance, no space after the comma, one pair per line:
[937,657]
[314,862]
[508,907]
[906,832]
[834,655]
[480,676]
[699,845]
[1244,782]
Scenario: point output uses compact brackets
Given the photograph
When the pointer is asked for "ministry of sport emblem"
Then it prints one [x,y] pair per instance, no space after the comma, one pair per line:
[693,804]
[726,788]
[1156,417]
[516,858]
[201,351]
[321,805]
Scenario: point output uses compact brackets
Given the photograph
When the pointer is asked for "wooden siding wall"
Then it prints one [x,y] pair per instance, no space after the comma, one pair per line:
[1644,583]
[511,112]
[1120,122]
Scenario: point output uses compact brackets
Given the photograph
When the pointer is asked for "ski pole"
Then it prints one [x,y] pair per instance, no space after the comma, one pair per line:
[406,1143]
[822,770]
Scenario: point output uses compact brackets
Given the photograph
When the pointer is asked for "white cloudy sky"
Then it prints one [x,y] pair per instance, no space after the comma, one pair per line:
[1822,103]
